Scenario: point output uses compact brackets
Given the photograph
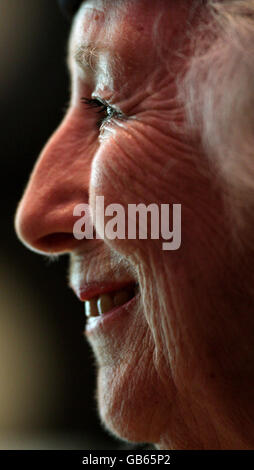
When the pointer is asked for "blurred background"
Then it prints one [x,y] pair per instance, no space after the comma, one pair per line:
[47,373]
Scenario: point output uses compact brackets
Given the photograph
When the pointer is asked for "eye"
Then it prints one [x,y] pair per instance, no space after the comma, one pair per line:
[104,109]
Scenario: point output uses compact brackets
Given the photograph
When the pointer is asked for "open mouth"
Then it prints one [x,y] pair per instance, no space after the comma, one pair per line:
[104,303]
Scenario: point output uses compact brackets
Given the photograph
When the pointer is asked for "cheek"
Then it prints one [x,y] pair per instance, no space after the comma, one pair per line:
[118,171]
[124,173]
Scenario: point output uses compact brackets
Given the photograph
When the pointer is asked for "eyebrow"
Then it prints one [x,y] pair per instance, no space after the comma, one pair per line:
[86,56]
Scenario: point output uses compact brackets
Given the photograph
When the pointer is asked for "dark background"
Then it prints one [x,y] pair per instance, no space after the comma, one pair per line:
[47,372]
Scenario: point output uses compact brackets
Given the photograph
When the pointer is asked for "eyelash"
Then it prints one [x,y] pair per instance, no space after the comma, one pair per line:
[94,103]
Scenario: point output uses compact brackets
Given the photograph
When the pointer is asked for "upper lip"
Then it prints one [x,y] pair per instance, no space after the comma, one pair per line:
[89,290]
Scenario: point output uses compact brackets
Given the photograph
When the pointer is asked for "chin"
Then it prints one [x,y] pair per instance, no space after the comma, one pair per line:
[132,401]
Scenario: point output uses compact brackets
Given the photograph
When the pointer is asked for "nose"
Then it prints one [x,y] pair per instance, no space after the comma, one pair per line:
[60,180]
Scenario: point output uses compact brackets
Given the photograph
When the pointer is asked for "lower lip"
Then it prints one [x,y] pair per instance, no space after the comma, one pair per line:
[107,320]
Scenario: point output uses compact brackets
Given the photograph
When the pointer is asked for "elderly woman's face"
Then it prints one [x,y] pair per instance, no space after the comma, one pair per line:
[165,355]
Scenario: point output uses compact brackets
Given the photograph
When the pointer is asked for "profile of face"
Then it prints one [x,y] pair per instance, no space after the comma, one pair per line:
[172,331]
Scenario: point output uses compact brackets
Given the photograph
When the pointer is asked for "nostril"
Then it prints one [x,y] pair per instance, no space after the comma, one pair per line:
[56,243]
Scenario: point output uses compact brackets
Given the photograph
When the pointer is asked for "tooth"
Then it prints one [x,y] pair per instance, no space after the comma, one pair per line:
[122,296]
[91,308]
[104,303]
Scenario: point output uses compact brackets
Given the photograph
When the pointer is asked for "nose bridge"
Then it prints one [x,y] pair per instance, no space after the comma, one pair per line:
[59,181]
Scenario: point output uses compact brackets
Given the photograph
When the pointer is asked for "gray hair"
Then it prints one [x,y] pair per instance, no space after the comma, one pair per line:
[218,93]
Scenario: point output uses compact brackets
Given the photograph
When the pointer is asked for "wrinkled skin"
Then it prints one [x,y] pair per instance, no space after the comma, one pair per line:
[199,395]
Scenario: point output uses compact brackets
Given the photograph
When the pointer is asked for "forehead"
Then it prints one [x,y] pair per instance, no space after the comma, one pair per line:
[115,27]
[114,35]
